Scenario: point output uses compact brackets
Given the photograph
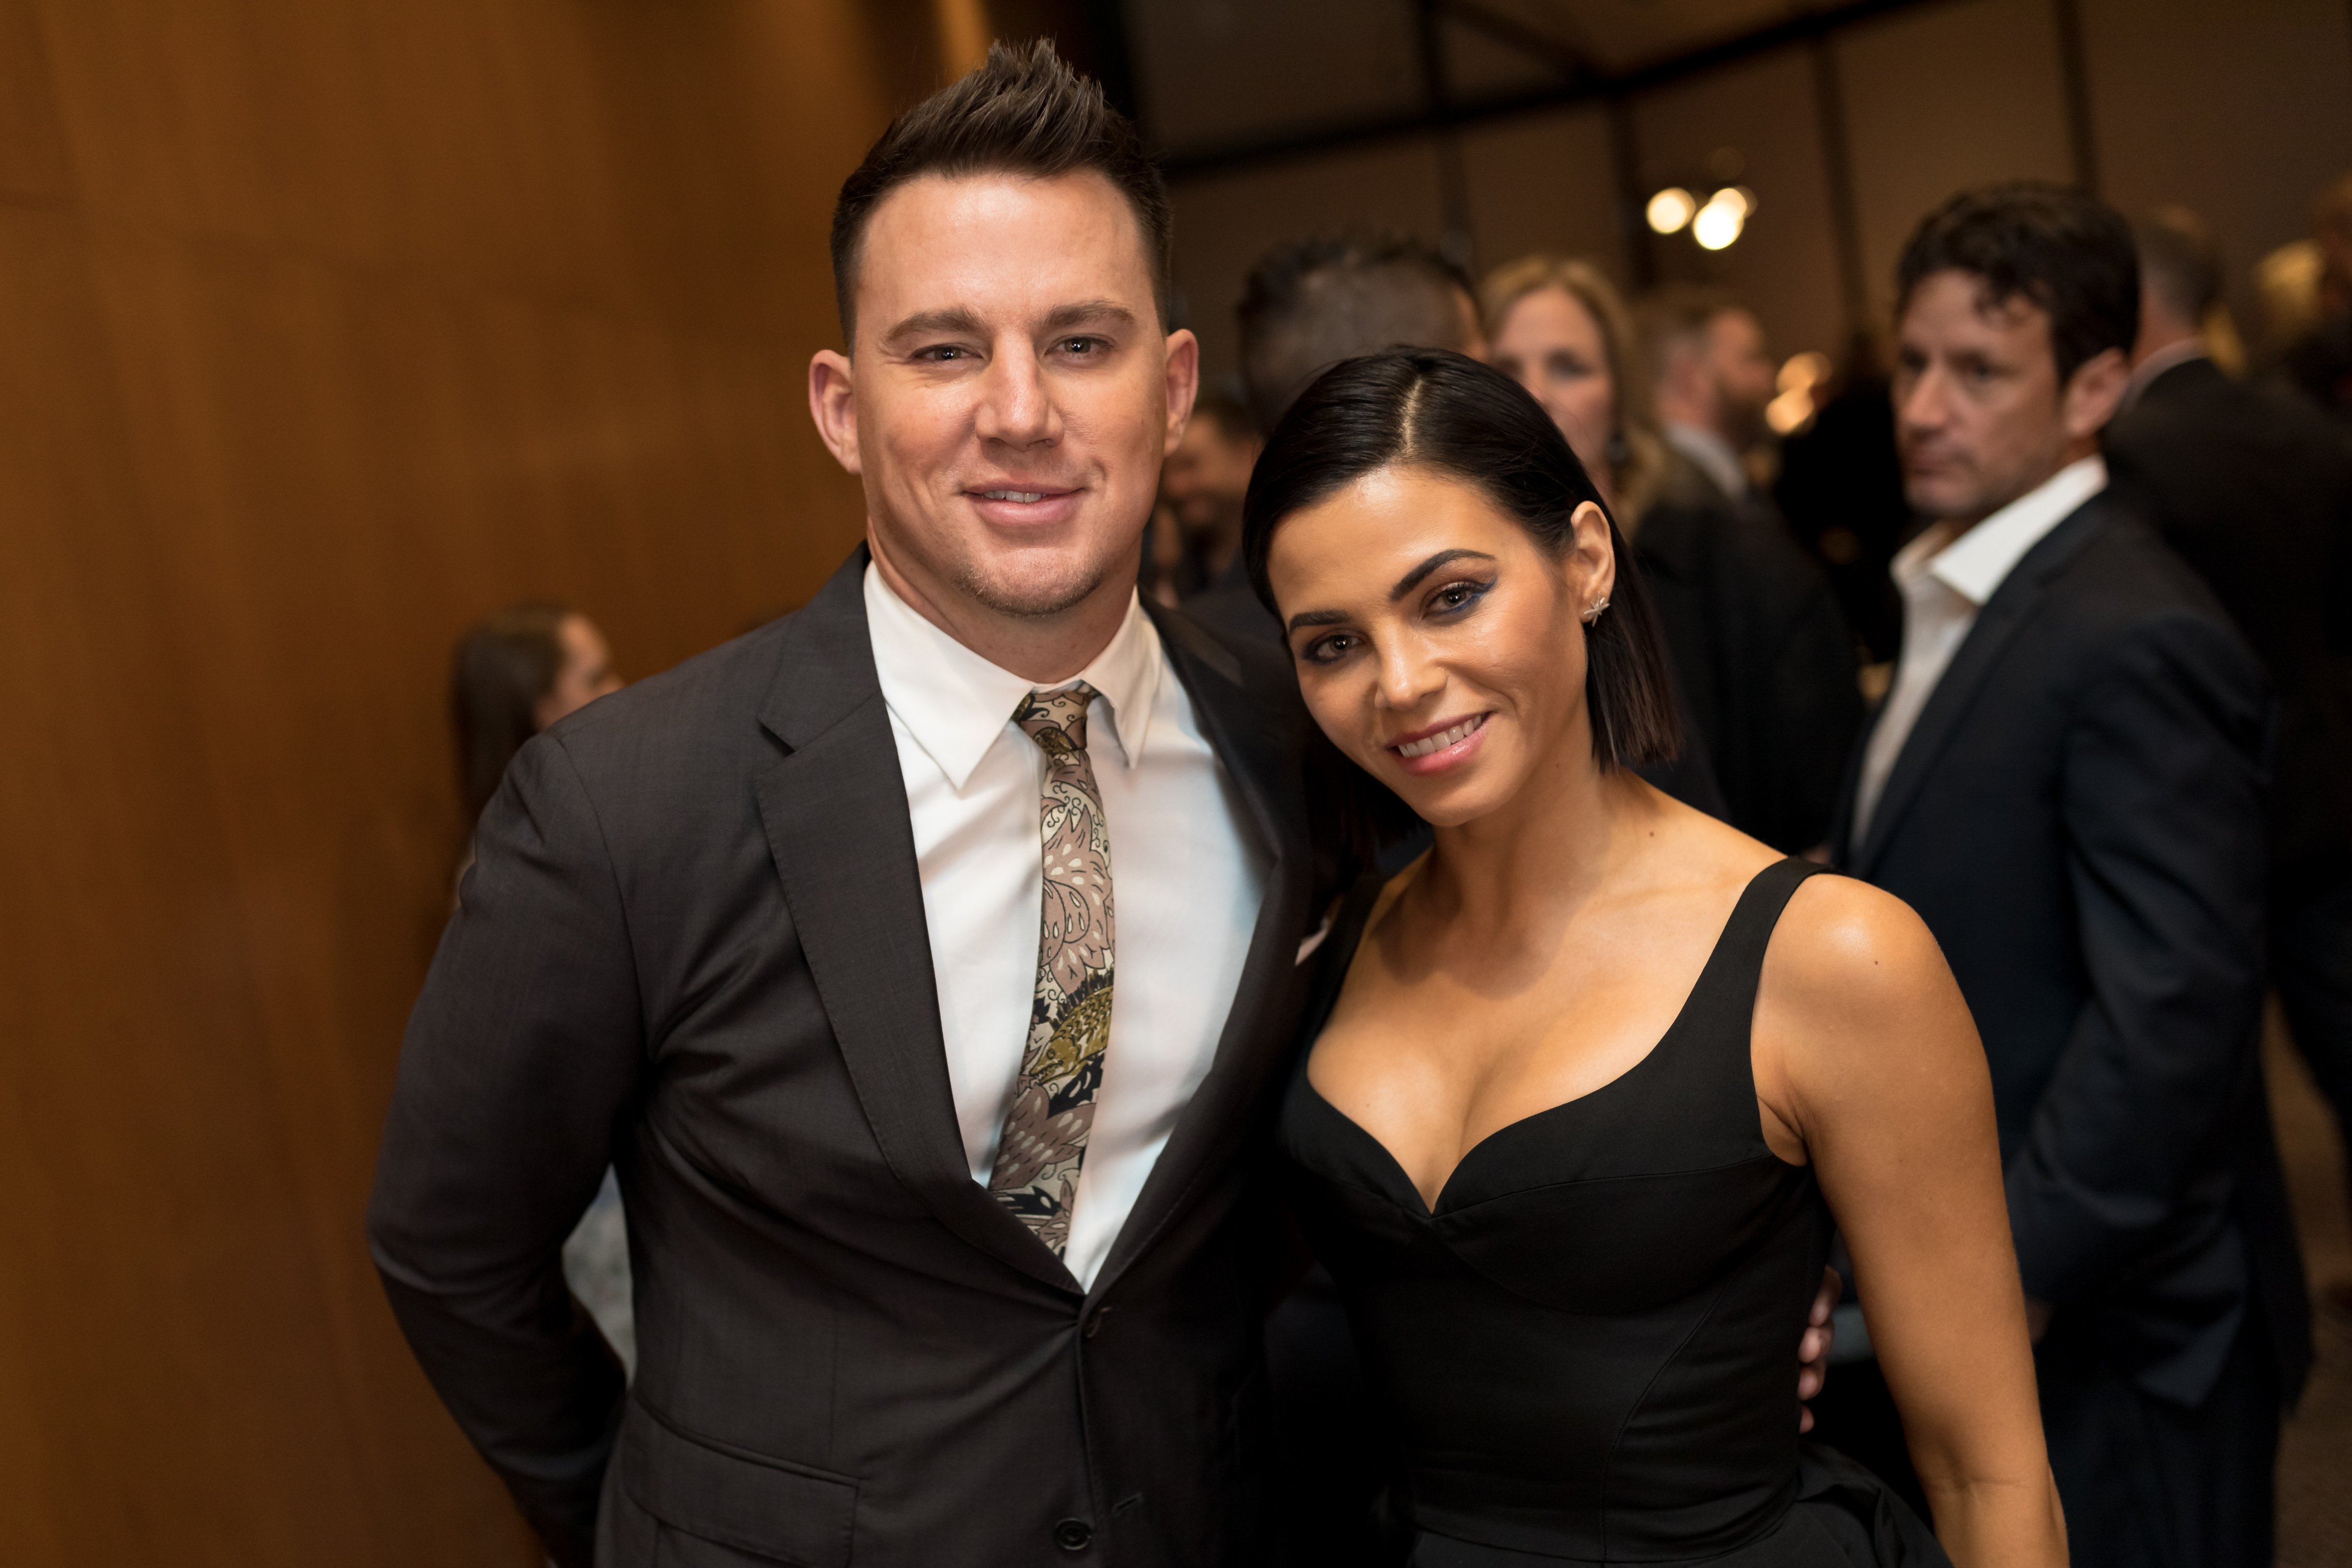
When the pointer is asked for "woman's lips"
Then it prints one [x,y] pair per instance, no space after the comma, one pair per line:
[1435,750]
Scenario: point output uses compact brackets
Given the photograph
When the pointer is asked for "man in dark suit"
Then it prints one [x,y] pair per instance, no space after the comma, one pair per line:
[942,1257]
[2254,490]
[1762,652]
[2065,782]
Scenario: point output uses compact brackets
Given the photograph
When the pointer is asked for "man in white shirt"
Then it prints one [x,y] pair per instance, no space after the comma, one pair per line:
[2065,782]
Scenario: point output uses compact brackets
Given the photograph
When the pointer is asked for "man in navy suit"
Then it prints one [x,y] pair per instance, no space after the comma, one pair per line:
[2066,781]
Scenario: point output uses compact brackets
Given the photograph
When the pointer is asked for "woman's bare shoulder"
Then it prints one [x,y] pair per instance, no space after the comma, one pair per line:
[1852,966]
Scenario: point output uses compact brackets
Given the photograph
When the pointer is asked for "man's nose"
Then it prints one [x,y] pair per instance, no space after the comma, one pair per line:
[1923,405]
[1016,405]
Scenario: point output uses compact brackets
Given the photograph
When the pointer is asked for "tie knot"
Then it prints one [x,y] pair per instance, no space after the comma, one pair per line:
[1056,719]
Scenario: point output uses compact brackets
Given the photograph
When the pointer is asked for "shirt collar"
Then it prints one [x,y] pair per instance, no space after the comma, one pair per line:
[1975,564]
[1712,455]
[957,704]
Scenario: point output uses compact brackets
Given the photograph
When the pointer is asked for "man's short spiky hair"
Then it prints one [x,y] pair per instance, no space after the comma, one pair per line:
[1023,111]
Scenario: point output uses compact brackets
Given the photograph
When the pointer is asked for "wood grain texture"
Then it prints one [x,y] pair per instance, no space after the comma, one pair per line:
[326,327]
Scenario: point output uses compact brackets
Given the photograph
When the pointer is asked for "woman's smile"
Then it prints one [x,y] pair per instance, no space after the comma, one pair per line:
[1440,746]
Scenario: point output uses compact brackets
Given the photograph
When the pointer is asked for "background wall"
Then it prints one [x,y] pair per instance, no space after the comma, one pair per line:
[324,329]
[2240,109]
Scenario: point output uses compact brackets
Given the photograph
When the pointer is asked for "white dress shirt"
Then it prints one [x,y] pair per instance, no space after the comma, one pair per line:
[1186,883]
[1946,575]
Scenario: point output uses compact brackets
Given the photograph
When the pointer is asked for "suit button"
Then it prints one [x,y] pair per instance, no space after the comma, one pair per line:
[1074,1535]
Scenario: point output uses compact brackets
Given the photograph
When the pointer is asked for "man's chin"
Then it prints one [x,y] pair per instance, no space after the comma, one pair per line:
[1034,596]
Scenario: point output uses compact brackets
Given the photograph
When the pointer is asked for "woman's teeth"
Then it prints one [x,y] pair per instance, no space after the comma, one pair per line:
[1443,739]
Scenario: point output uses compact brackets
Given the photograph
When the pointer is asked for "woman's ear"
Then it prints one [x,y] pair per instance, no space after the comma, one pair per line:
[1591,559]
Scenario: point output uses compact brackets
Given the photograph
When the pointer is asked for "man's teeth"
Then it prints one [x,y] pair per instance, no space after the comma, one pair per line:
[1441,740]
[1014,495]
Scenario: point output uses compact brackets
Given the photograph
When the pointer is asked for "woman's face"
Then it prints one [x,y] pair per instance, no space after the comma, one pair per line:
[1550,344]
[586,674]
[1436,642]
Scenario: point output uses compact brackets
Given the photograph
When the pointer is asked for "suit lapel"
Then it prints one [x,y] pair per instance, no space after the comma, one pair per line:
[836,812]
[2011,608]
[1246,729]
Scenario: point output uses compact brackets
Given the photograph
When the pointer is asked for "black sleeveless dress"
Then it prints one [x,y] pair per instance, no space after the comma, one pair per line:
[1586,1353]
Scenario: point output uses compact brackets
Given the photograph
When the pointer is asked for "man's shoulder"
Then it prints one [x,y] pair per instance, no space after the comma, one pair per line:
[695,713]
[2123,588]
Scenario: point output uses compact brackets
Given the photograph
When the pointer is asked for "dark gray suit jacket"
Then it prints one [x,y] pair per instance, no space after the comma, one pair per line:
[2078,817]
[694,945]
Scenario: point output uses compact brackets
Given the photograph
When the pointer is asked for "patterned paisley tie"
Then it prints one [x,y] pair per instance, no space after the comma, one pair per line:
[1037,1172]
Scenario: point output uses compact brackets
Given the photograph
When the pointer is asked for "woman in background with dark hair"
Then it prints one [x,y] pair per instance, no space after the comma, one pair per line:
[1591,1075]
[514,675]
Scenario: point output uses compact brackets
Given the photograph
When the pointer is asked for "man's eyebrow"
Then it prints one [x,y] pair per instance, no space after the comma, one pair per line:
[1087,313]
[1412,579]
[1315,618]
[956,321]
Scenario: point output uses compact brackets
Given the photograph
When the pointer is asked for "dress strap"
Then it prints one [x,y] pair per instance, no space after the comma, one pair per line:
[1706,1060]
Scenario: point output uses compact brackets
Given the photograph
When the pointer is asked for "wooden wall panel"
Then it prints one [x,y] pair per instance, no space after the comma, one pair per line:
[324,329]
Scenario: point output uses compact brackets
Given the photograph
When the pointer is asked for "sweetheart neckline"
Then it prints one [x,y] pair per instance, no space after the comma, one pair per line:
[1682,1015]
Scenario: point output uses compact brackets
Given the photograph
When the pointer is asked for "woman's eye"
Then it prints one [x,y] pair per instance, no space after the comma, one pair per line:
[1455,596]
[1324,650]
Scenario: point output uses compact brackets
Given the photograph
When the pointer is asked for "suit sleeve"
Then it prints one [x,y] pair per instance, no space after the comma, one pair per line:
[523,1047]
[1819,710]
[2162,797]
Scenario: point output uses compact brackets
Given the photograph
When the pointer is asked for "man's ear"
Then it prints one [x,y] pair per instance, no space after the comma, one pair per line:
[1183,383]
[833,405]
[2093,393]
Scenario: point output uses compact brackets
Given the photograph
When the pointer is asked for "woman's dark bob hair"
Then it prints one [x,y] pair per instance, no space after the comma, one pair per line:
[1430,408]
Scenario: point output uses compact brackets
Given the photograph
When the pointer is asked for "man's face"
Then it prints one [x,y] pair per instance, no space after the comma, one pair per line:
[1011,392]
[1206,477]
[1979,415]
[1743,373]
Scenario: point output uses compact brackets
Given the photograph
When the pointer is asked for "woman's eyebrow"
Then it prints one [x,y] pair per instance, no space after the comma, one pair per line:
[1315,618]
[1413,579]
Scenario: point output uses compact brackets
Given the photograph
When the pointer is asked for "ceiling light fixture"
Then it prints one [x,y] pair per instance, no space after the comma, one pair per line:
[1671,208]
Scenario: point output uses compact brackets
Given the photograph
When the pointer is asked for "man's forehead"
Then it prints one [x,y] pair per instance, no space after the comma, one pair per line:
[1986,305]
[992,240]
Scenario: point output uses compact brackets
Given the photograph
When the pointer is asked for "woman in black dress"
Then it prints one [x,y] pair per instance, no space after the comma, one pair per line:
[1593,1075]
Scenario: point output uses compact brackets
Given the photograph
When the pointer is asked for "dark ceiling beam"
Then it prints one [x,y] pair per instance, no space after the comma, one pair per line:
[1186,163]
[1572,63]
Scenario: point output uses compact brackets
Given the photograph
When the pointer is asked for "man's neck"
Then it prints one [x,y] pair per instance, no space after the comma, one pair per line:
[1045,650]
[2074,452]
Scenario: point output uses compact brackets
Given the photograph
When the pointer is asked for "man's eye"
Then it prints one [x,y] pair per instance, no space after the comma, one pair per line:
[1082,347]
[940,354]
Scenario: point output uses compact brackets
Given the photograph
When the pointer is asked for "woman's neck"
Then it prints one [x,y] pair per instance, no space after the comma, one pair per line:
[1564,831]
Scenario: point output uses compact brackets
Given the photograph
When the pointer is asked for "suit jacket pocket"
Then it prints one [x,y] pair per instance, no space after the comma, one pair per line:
[767,1508]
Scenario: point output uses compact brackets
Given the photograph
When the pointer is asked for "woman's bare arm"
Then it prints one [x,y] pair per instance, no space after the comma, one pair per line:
[1868,1065]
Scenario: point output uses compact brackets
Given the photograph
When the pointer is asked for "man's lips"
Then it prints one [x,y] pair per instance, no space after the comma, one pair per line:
[1019,502]
[1441,745]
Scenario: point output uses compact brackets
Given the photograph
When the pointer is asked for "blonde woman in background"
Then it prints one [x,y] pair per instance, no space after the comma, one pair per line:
[1763,660]
[1556,325]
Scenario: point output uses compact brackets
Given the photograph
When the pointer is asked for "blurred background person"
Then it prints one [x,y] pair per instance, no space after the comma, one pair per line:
[1711,379]
[2319,362]
[2254,490]
[2066,783]
[514,675]
[1200,489]
[1310,303]
[1763,665]
[1556,326]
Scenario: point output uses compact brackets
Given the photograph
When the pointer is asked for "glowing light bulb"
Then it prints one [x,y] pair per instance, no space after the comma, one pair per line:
[1718,223]
[1671,208]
